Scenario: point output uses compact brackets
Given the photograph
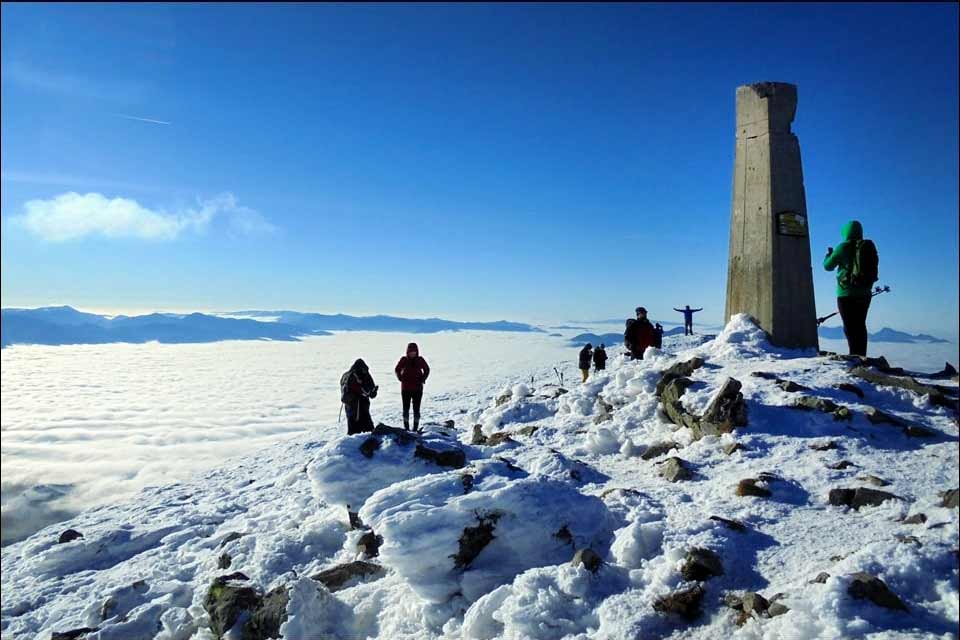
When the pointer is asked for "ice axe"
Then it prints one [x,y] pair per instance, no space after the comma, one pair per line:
[877,291]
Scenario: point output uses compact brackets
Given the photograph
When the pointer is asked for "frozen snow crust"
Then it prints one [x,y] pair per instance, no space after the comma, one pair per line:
[479,543]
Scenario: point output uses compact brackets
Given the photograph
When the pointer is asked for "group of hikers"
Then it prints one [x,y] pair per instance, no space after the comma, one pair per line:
[855,260]
[357,388]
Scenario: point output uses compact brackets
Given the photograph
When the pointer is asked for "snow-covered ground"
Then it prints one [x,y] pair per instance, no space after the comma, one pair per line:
[484,551]
[85,426]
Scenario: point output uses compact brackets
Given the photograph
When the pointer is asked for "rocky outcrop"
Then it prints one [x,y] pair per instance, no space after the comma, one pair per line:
[453,458]
[865,585]
[736,525]
[859,497]
[749,487]
[678,370]
[811,403]
[950,499]
[939,396]
[73,634]
[726,411]
[228,598]
[850,388]
[875,416]
[474,539]
[69,536]
[658,449]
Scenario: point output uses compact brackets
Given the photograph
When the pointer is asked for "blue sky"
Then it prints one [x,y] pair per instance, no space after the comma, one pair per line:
[466,161]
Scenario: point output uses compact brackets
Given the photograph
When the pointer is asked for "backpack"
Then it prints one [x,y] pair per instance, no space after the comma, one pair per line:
[345,395]
[866,264]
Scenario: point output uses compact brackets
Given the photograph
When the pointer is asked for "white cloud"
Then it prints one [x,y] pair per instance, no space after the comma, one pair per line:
[72,216]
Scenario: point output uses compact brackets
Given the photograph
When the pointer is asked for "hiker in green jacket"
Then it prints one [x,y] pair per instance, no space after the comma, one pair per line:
[853,289]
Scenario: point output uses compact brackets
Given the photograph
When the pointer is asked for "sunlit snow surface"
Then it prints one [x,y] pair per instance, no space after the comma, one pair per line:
[283,497]
[86,425]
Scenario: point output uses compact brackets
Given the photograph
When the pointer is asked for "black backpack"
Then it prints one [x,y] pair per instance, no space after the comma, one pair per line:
[866,264]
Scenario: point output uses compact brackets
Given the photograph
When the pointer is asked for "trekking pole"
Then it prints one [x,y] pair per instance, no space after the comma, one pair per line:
[877,291]
[340,415]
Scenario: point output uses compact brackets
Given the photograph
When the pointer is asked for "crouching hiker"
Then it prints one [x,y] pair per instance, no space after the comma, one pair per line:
[412,372]
[586,355]
[356,390]
[600,357]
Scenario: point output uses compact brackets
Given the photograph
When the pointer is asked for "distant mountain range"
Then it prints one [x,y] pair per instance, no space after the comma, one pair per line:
[66,325]
[884,335]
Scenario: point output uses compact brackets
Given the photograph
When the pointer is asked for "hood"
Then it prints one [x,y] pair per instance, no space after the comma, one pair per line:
[413,347]
[359,365]
[853,230]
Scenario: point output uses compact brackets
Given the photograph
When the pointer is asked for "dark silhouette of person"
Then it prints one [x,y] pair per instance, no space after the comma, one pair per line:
[356,390]
[639,334]
[600,357]
[586,355]
[658,335]
[412,372]
[687,319]
[853,298]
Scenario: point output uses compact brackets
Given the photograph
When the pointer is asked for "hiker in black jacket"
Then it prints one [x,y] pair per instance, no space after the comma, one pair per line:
[356,390]
[600,357]
[586,354]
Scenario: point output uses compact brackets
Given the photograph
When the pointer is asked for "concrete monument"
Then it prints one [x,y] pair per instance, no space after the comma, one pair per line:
[769,274]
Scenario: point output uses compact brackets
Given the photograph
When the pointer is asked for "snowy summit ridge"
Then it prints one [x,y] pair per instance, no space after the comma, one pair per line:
[804,496]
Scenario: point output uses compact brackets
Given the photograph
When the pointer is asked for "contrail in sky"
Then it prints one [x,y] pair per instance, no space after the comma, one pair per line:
[150,120]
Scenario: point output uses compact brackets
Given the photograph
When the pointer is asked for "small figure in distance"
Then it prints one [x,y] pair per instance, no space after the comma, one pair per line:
[687,319]
[658,335]
[639,334]
[600,357]
[356,390]
[586,355]
[412,372]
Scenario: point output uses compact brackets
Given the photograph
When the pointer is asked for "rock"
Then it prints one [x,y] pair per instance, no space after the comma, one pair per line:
[811,403]
[732,447]
[529,430]
[354,519]
[478,437]
[369,445]
[449,424]
[369,544]
[230,537]
[501,437]
[474,539]
[777,609]
[224,561]
[875,416]
[842,464]
[467,480]
[874,480]
[658,449]
[859,497]
[226,601]
[754,603]
[917,518]
[824,446]
[949,372]
[674,469]
[791,387]
[905,539]
[821,578]
[400,436]
[865,585]
[701,564]
[951,498]
[588,558]
[850,388]
[73,634]
[685,603]
[678,370]
[504,399]
[732,524]
[69,536]
[268,617]
[672,406]
[454,458]
[337,577]
[604,411]
[916,431]
[748,487]
[726,411]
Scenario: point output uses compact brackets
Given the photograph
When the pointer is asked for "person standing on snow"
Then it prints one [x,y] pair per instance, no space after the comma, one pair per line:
[600,357]
[658,335]
[687,319]
[586,354]
[639,334]
[855,260]
[356,390]
[412,372]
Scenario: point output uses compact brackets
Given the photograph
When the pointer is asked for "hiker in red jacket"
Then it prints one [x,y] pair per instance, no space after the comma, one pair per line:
[412,371]
[639,334]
